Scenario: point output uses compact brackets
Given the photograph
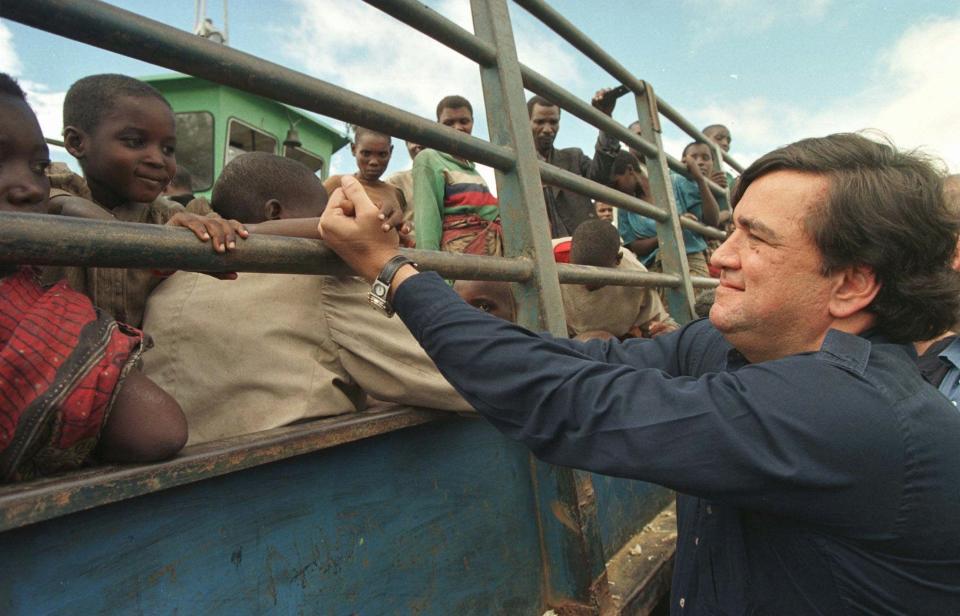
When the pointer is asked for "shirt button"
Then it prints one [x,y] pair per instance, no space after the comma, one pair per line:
[709,510]
[682,602]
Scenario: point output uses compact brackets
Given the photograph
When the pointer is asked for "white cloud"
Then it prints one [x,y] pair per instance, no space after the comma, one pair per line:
[911,97]
[9,60]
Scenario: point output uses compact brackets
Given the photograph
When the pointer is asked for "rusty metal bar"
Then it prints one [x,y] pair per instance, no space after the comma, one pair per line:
[41,239]
[114,29]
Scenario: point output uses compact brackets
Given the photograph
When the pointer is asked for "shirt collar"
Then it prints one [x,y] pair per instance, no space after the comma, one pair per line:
[952,352]
[846,350]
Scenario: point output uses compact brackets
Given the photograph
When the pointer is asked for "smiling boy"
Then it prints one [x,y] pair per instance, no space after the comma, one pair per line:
[122,133]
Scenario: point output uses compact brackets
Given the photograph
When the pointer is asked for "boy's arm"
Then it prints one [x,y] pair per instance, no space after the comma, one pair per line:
[65,204]
[427,201]
[711,209]
[639,235]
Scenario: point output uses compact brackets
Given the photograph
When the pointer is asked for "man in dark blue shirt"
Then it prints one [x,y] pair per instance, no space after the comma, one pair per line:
[818,473]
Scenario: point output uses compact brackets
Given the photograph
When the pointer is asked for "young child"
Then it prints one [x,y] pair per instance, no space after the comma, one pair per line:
[624,312]
[694,200]
[68,390]
[372,151]
[454,211]
[492,296]
[121,131]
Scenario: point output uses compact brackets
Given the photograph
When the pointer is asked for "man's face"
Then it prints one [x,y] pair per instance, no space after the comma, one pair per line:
[373,155]
[701,155]
[24,159]
[604,211]
[773,300]
[636,130]
[719,135]
[457,118]
[545,123]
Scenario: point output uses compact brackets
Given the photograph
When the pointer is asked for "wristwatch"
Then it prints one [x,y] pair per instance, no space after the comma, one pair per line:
[381,286]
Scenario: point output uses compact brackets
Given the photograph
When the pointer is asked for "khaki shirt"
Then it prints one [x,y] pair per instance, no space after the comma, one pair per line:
[268,350]
[122,293]
[614,309]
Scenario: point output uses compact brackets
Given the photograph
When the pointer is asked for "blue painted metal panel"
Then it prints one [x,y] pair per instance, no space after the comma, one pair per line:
[436,519]
[624,507]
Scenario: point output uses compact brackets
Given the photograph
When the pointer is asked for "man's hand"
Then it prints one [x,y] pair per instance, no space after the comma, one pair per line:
[222,233]
[352,227]
[658,328]
[604,103]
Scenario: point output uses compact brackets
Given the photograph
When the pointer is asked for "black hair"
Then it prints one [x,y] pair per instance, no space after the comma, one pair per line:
[454,101]
[595,242]
[90,99]
[360,131]
[886,210]
[253,178]
[536,99]
[10,87]
[623,159]
[695,143]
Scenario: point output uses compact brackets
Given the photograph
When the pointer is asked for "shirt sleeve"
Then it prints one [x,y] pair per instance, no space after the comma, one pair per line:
[633,226]
[428,186]
[761,437]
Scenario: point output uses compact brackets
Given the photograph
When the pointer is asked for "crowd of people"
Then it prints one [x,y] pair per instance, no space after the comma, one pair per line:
[829,310]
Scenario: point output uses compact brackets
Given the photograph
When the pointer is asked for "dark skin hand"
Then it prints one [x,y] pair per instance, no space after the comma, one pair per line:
[711,210]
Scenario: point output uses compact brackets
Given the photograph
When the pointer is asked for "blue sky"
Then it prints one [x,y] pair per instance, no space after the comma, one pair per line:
[774,72]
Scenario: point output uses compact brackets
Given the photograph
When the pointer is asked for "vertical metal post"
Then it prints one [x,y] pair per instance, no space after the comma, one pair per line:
[574,566]
[522,209]
[717,153]
[673,256]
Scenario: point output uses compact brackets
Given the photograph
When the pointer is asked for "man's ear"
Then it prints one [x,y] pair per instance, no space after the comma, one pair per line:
[272,210]
[854,289]
[353,149]
[75,142]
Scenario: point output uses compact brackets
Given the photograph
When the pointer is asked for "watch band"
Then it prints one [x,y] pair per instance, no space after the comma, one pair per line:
[381,286]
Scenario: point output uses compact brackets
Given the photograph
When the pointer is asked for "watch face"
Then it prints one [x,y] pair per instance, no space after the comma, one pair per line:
[380,290]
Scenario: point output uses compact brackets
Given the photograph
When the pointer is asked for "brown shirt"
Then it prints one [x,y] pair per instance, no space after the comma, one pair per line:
[122,293]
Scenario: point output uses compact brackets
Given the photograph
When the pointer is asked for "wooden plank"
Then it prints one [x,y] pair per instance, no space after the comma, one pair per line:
[639,574]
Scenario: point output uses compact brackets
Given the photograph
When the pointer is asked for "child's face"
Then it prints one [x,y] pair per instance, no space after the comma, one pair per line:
[457,118]
[627,181]
[24,159]
[130,157]
[488,296]
[604,211]
[700,154]
[373,155]
[721,136]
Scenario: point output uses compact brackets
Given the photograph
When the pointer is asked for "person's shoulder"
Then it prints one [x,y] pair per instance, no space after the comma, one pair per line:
[333,182]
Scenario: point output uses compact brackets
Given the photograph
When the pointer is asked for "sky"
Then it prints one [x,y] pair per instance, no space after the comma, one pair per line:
[774,72]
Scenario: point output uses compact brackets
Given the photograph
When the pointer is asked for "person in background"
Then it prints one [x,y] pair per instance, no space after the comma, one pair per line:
[454,210]
[567,209]
[372,151]
[180,188]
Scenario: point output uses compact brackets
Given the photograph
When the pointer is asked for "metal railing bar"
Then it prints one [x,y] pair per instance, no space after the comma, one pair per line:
[562,178]
[588,274]
[464,42]
[107,27]
[41,239]
[573,35]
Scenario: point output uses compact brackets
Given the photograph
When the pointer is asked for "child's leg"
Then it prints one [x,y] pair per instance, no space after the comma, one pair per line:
[145,425]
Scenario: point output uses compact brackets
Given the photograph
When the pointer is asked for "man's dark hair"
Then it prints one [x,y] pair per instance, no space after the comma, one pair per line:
[885,209]
[623,160]
[595,242]
[454,101]
[91,98]
[695,143]
[252,179]
[10,87]
[536,99]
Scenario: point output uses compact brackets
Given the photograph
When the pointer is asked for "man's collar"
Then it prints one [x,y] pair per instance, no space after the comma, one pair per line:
[848,351]
[952,352]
